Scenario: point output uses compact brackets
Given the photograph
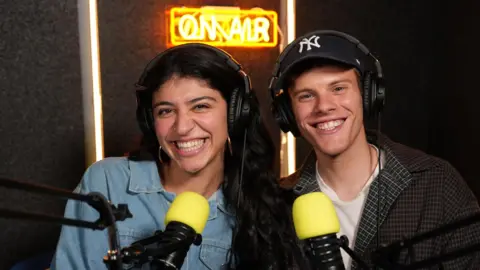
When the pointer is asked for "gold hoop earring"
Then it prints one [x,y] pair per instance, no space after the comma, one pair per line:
[160,154]
[230,145]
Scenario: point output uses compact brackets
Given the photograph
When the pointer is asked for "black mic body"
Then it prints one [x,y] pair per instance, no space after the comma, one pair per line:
[165,250]
[324,252]
[180,236]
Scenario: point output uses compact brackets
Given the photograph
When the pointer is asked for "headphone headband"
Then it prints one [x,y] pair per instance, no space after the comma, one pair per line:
[231,62]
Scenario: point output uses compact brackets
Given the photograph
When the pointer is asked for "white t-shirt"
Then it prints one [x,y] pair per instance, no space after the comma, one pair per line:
[348,212]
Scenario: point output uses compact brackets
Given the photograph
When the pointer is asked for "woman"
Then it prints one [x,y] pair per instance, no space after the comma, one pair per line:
[201,124]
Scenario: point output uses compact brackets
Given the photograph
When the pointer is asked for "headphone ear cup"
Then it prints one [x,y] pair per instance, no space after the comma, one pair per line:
[367,94]
[284,115]
[144,114]
[144,120]
[238,112]
[232,110]
[279,116]
[244,117]
[379,95]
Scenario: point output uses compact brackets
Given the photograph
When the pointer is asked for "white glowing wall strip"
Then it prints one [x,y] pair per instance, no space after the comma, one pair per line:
[287,140]
[91,82]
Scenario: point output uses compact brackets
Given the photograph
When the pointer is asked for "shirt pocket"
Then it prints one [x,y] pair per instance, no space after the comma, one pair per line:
[214,254]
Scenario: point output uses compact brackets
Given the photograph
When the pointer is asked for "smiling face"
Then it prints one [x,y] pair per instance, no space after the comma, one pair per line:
[327,105]
[190,123]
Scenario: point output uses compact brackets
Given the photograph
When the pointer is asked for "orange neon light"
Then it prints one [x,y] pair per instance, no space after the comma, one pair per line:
[223,27]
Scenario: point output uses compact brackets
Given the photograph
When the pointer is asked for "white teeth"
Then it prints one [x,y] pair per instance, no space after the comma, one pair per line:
[190,145]
[330,124]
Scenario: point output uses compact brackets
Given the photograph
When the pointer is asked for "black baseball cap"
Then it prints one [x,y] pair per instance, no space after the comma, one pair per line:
[329,45]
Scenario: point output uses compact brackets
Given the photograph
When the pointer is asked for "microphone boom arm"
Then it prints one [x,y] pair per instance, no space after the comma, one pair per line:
[385,256]
[109,214]
[7,213]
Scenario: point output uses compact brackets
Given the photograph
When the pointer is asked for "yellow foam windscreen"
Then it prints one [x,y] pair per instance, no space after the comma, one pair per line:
[189,208]
[314,215]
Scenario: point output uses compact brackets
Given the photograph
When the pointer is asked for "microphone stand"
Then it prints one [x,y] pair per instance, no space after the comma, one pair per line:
[109,214]
[386,256]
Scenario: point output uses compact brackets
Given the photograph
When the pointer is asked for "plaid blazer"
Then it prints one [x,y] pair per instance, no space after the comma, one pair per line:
[413,193]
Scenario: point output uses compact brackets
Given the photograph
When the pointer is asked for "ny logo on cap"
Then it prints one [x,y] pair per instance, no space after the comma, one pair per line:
[309,42]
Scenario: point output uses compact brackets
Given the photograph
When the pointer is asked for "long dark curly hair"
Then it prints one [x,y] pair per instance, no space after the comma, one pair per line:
[264,236]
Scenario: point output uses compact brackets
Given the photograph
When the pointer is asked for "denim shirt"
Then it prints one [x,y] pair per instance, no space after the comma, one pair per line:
[137,184]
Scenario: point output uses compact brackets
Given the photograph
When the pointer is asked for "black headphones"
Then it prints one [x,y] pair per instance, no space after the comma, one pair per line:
[373,85]
[238,107]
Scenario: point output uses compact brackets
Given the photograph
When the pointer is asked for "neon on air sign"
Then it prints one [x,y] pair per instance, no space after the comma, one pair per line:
[222,26]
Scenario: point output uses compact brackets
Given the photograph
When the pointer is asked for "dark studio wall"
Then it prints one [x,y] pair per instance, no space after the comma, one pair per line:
[455,133]
[428,62]
[41,125]
[131,35]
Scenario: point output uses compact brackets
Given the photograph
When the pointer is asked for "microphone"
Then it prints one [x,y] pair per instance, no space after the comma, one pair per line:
[185,220]
[316,222]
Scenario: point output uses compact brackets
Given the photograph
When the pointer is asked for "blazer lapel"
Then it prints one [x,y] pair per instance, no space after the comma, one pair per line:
[307,181]
[388,185]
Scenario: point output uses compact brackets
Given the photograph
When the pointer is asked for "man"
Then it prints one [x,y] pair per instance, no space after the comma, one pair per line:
[324,85]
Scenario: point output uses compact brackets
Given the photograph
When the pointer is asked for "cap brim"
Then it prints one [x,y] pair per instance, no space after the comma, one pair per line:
[322,56]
